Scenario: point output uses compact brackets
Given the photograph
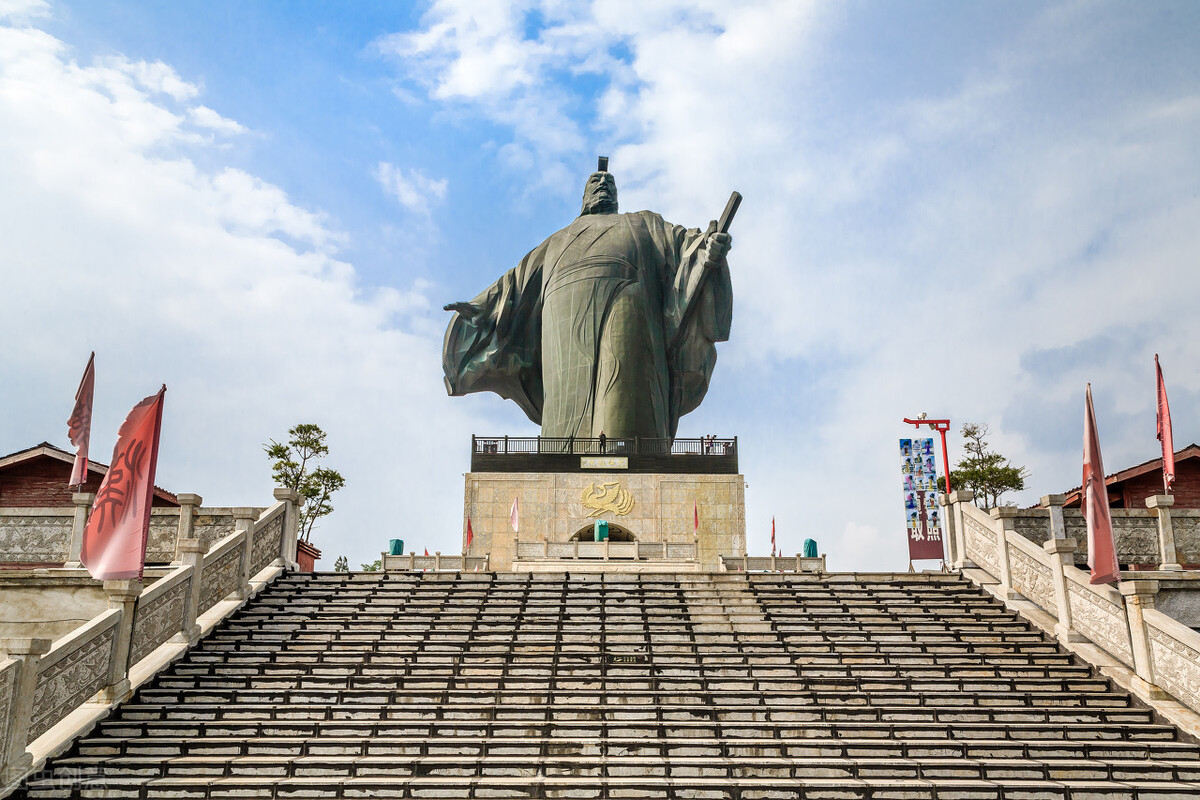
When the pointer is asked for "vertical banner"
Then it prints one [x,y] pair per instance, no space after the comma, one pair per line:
[918,471]
[114,539]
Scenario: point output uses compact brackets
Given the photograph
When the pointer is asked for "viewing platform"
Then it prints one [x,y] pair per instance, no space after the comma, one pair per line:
[707,455]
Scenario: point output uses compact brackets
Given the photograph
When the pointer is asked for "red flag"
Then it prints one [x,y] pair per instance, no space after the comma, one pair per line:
[772,536]
[514,514]
[114,541]
[1102,549]
[1164,430]
[426,551]
[79,426]
[695,517]
[470,534]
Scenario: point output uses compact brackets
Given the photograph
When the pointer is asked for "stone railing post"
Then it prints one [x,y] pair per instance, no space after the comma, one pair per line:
[191,553]
[1054,502]
[243,520]
[1139,596]
[1062,552]
[1160,506]
[15,760]
[291,526]
[437,560]
[951,540]
[188,505]
[1005,516]
[122,594]
[956,500]
[83,504]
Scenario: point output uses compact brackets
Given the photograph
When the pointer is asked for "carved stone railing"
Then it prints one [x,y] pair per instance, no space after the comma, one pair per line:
[1161,654]
[781,563]
[607,550]
[435,563]
[51,691]
[38,536]
[1138,532]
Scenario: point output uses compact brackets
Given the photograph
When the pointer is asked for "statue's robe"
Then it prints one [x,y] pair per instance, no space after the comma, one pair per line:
[607,326]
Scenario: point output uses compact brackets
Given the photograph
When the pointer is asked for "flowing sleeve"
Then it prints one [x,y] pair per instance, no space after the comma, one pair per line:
[698,312]
[499,349]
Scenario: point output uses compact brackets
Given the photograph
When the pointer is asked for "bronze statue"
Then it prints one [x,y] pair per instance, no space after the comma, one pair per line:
[609,326]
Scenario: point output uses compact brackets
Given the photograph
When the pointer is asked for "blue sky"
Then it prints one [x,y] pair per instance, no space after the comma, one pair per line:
[969,210]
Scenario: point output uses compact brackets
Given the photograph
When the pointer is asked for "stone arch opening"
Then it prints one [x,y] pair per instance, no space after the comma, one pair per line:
[616,533]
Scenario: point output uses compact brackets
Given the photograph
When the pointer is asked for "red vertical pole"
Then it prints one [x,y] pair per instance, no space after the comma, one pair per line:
[945,458]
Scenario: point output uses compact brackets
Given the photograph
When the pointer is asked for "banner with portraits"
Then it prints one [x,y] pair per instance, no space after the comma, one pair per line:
[922,514]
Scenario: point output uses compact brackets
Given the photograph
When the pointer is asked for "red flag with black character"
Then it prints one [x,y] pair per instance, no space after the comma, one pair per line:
[79,426]
[114,541]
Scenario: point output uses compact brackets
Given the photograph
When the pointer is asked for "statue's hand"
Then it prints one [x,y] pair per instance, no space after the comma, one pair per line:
[718,247]
[468,310]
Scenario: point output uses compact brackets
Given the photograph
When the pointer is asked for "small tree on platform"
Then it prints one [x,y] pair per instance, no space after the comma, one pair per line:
[985,472]
[295,468]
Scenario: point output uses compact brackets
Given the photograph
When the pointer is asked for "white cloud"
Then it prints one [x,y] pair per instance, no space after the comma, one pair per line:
[910,253]
[19,12]
[205,117]
[412,188]
[214,281]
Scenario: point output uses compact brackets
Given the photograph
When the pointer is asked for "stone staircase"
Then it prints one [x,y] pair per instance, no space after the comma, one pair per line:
[501,685]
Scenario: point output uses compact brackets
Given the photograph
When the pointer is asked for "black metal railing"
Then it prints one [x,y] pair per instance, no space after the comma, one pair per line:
[549,445]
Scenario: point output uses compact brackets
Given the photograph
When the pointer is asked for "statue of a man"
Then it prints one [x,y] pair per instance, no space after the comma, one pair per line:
[609,326]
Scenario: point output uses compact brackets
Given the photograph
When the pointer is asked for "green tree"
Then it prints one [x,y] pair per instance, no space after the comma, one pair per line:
[341,565]
[295,467]
[982,470]
[374,566]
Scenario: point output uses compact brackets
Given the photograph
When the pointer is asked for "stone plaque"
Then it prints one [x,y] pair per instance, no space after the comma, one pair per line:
[604,462]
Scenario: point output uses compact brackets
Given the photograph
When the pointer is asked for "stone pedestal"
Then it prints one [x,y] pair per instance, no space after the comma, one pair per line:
[651,520]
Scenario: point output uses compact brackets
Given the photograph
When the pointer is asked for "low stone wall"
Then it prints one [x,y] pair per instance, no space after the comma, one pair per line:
[1137,531]
[1161,654]
[45,683]
[41,536]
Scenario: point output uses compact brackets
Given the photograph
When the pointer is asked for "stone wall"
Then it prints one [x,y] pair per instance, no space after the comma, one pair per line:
[653,508]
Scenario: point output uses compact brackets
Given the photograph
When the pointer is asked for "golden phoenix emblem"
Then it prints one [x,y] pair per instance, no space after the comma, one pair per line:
[607,497]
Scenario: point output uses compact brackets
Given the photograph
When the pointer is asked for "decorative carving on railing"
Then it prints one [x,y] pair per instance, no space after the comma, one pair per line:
[651,550]
[530,549]
[160,541]
[65,685]
[1176,666]
[1100,620]
[268,540]
[159,619]
[1135,532]
[35,538]
[1162,654]
[8,680]
[980,544]
[776,564]
[1186,524]
[211,528]
[1031,578]
[97,657]
[680,551]
[221,578]
[1032,525]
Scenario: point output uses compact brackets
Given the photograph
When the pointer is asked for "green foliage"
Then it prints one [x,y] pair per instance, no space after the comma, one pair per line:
[374,566]
[341,565]
[295,468]
[985,472]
